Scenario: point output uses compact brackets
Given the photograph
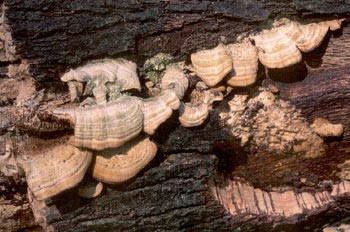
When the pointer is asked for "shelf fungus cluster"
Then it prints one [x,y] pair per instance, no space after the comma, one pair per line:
[110,131]
[279,47]
[116,128]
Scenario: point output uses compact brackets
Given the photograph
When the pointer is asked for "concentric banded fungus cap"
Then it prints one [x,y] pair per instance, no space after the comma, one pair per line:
[289,28]
[245,64]
[191,115]
[121,164]
[212,65]
[105,126]
[276,50]
[127,75]
[312,37]
[176,80]
[56,170]
[333,24]
[155,111]
[105,68]
[170,98]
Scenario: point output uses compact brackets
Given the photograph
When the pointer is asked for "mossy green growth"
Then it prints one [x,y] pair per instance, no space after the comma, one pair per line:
[113,90]
[155,66]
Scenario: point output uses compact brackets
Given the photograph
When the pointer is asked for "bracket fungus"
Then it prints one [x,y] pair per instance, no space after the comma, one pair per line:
[97,74]
[194,114]
[176,80]
[56,170]
[191,115]
[278,47]
[123,163]
[245,64]
[112,127]
[155,112]
[212,65]
[104,126]
[312,36]
[276,50]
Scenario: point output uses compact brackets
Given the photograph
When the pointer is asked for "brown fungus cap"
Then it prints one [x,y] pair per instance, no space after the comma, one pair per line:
[56,170]
[176,80]
[121,164]
[212,65]
[155,112]
[245,64]
[276,50]
[105,126]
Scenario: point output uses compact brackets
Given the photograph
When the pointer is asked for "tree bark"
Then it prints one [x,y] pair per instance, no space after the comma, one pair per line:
[201,178]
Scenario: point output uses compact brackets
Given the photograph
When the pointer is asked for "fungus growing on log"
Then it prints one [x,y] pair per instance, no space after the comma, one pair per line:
[104,126]
[176,80]
[57,169]
[212,65]
[245,64]
[121,164]
[276,50]
[97,74]
[260,119]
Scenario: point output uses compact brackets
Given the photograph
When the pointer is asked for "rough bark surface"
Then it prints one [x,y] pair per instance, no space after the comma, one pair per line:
[64,34]
[42,39]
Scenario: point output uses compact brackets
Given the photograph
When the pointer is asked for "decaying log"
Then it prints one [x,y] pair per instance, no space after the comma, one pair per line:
[201,179]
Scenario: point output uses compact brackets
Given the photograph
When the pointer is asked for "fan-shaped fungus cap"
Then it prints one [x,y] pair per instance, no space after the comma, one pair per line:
[105,126]
[312,36]
[127,75]
[123,163]
[333,24]
[245,64]
[191,115]
[324,128]
[90,189]
[289,28]
[276,50]
[56,170]
[170,98]
[155,111]
[212,65]
[176,80]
